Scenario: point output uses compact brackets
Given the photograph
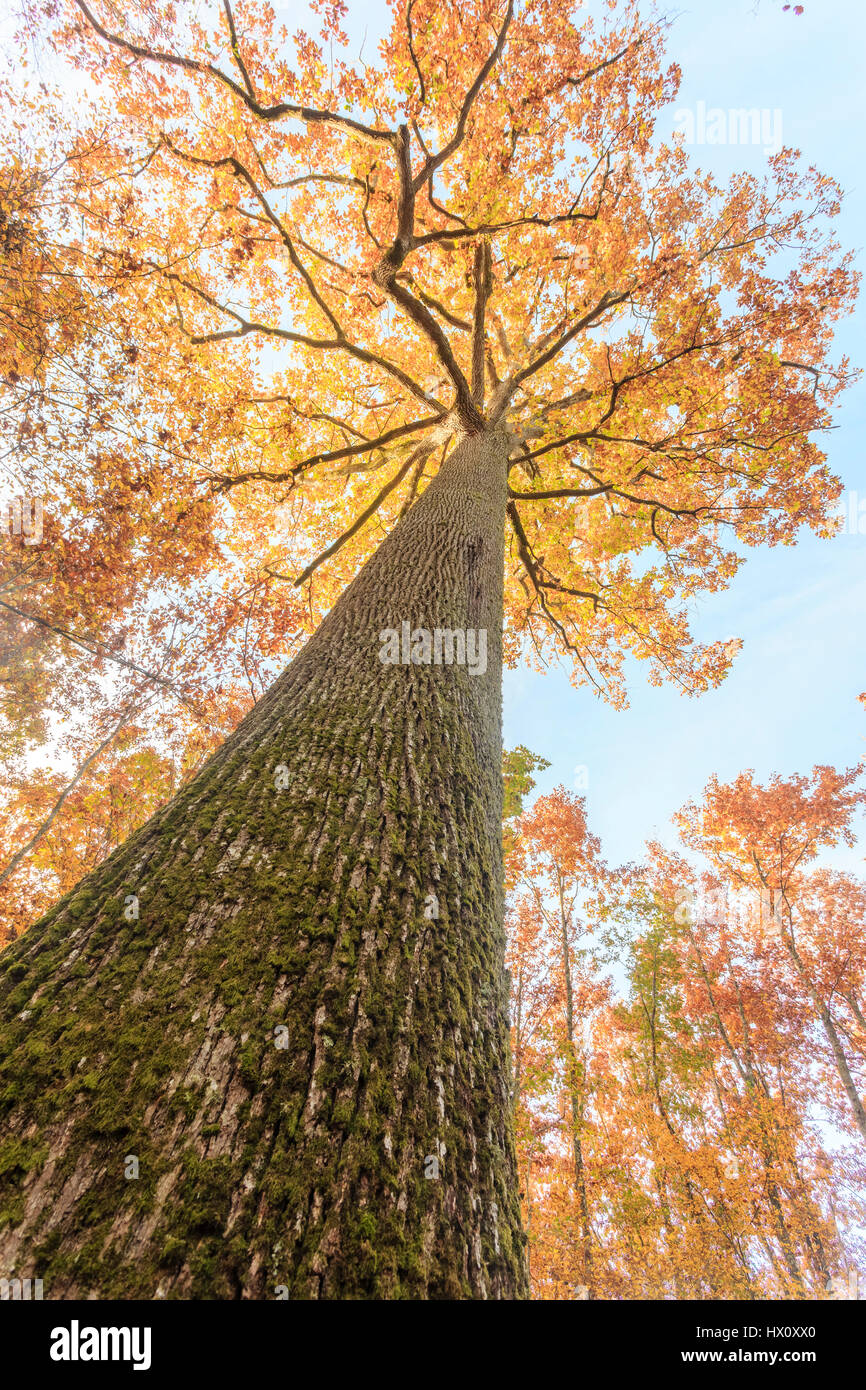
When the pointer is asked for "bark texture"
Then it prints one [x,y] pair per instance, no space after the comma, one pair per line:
[300,1043]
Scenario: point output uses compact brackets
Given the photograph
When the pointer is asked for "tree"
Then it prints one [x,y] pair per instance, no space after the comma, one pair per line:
[284,995]
[563,882]
[755,1165]
[760,839]
[703,1129]
[518,765]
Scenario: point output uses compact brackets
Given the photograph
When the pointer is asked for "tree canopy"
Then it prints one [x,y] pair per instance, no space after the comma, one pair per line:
[270,283]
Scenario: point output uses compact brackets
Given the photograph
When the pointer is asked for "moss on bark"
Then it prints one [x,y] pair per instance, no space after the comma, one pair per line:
[300,1039]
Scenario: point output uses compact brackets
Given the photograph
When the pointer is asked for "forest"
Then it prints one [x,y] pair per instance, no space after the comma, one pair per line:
[674,1134]
[363,370]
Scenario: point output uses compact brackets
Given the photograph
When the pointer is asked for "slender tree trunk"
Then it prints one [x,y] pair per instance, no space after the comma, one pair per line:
[756,1087]
[575,1087]
[262,1051]
[858,1110]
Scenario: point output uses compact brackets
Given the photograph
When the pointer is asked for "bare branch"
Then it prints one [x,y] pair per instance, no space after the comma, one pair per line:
[365,515]
[483,286]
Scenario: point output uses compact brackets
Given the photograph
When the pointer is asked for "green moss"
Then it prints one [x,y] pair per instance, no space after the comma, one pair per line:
[20,1156]
[173,1251]
[345,928]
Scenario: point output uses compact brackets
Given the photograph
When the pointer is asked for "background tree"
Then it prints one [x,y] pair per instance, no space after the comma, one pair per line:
[560,883]
[761,838]
[716,1168]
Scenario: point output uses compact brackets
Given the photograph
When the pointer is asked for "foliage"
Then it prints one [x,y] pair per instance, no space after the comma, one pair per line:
[254,291]
[715,1097]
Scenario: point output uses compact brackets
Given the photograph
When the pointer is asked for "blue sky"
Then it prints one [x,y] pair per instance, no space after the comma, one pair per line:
[791,698]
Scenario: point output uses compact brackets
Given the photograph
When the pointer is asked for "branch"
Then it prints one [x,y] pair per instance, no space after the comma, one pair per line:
[434,303]
[412,52]
[483,285]
[246,326]
[242,173]
[310,115]
[569,646]
[359,521]
[432,163]
[599,67]
[413,484]
[236,52]
[331,456]
[803,367]
[608,301]
[560,492]
[525,220]
[344,180]
[70,787]
[99,650]
[385,275]
[531,564]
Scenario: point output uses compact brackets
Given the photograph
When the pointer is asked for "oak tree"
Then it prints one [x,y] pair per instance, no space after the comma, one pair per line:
[459,327]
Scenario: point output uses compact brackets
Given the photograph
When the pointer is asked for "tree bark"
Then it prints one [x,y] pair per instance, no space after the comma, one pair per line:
[299,1044]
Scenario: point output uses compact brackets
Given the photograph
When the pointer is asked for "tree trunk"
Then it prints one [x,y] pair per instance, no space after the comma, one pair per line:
[575,1086]
[288,1074]
[858,1110]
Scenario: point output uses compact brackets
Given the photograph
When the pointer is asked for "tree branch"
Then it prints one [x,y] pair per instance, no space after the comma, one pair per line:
[432,163]
[331,456]
[99,650]
[483,286]
[67,790]
[246,326]
[236,52]
[531,564]
[365,515]
[242,173]
[310,115]
[412,53]
[608,300]
[385,275]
